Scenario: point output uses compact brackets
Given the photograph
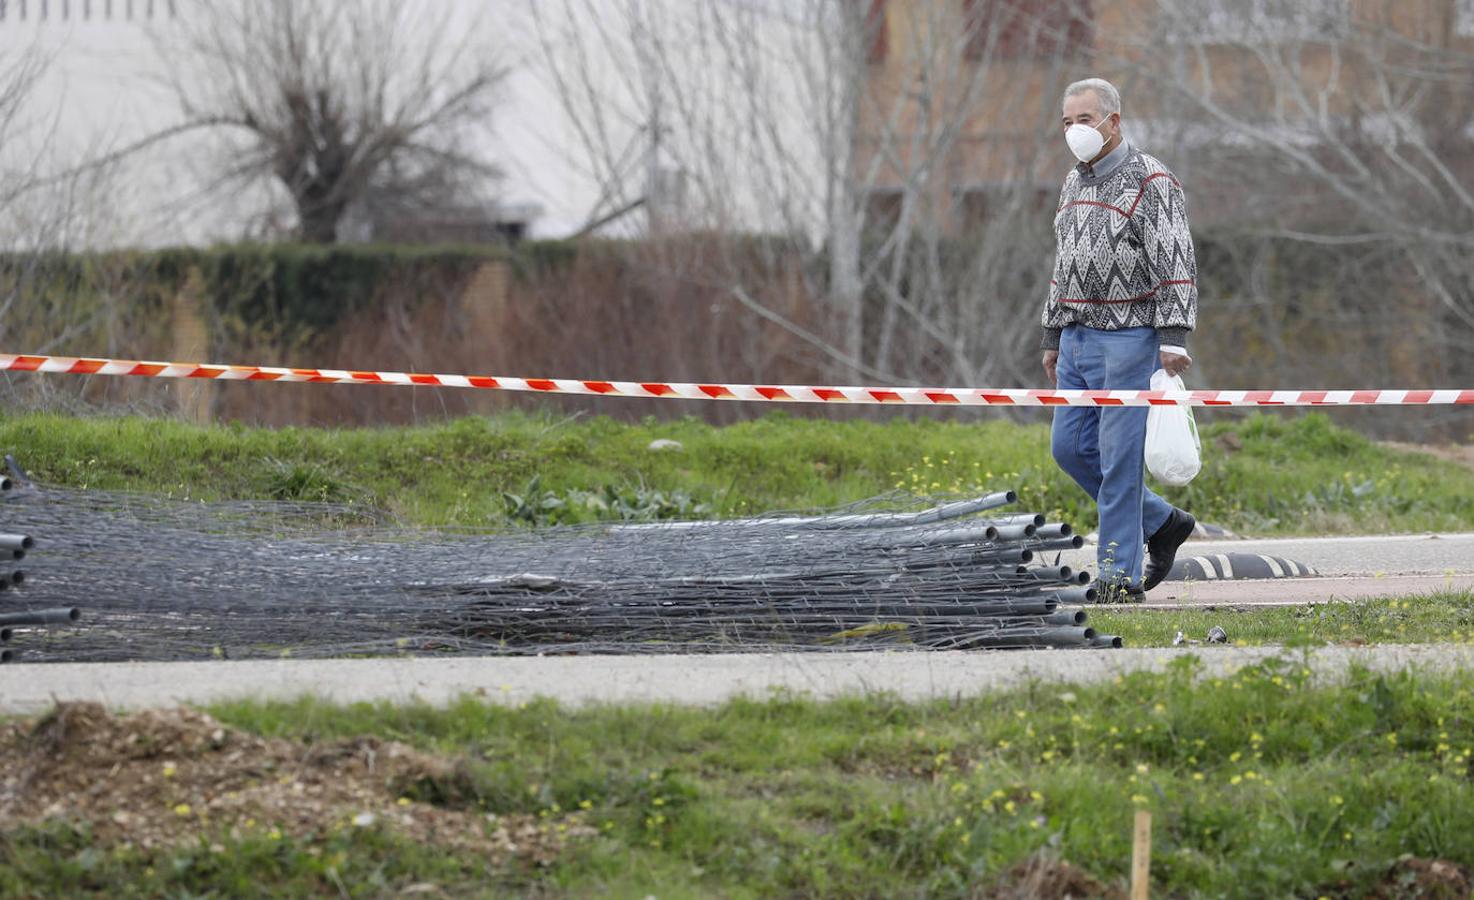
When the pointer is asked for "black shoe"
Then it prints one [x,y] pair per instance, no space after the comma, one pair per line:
[1161,548]
[1118,592]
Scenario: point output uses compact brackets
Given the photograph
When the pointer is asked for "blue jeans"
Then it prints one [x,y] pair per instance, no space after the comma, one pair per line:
[1103,449]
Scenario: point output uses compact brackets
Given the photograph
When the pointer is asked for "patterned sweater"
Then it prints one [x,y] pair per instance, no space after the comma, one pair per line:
[1125,253]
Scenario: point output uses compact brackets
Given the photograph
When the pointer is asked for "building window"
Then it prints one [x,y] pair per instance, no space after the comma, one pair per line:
[1464,18]
[1248,21]
[1019,29]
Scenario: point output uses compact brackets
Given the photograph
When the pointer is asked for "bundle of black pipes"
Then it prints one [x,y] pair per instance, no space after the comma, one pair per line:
[13,549]
[178,579]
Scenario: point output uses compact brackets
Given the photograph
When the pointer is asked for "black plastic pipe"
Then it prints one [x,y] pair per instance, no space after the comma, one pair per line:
[1035,519]
[1066,617]
[1056,636]
[1009,556]
[1073,542]
[1057,530]
[1016,532]
[843,521]
[16,542]
[1084,593]
[60,616]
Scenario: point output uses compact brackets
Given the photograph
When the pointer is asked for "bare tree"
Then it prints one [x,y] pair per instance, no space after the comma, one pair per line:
[901,160]
[1335,137]
[19,74]
[341,103]
[52,300]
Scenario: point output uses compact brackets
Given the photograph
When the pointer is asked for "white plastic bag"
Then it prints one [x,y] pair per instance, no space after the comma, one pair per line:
[1174,455]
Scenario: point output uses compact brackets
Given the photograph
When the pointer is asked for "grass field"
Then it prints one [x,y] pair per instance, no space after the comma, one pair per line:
[1438,617]
[1263,476]
[1263,784]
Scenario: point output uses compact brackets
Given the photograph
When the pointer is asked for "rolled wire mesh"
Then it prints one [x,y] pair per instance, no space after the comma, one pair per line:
[167,579]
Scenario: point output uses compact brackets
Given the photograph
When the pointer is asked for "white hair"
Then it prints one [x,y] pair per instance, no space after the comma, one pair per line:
[1110,98]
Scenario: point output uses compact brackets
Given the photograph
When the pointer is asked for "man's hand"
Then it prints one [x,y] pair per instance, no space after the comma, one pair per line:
[1175,364]
[1051,358]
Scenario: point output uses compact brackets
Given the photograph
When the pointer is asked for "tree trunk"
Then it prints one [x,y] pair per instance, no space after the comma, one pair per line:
[846,70]
[318,221]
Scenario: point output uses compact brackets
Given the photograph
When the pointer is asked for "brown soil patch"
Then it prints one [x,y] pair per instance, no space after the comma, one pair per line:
[1454,453]
[1045,877]
[1427,879]
[1413,878]
[163,778]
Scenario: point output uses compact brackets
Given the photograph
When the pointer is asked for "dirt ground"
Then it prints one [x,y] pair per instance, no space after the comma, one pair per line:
[1413,878]
[1043,876]
[1458,453]
[165,778]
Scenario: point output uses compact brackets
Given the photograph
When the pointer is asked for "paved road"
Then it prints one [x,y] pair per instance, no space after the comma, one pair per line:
[691,680]
[1352,568]
[1413,554]
[1298,591]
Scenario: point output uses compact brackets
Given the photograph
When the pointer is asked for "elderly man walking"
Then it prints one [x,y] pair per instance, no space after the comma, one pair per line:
[1122,300]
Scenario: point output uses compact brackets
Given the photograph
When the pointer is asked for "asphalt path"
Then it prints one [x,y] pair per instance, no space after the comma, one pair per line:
[1410,554]
[684,680]
[1351,568]
[1379,556]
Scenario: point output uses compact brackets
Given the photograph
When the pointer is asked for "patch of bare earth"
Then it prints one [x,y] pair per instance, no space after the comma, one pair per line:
[1414,878]
[1046,877]
[1433,879]
[167,777]
[1454,453]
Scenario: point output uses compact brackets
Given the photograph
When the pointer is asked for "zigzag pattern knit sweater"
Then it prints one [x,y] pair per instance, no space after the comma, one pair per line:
[1125,253]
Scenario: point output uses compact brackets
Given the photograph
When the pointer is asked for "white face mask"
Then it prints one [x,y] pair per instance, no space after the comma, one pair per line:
[1085,141]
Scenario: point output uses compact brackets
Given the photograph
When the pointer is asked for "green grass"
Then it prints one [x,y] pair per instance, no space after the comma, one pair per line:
[1436,617]
[1266,783]
[1263,475]
[59,861]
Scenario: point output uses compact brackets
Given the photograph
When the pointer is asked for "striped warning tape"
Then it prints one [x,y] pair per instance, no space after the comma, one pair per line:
[908,396]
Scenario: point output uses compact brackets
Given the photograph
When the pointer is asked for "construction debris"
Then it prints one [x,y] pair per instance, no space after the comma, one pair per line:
[169,579]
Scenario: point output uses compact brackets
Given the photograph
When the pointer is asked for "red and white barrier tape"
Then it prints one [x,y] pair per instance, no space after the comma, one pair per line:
[902,396]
